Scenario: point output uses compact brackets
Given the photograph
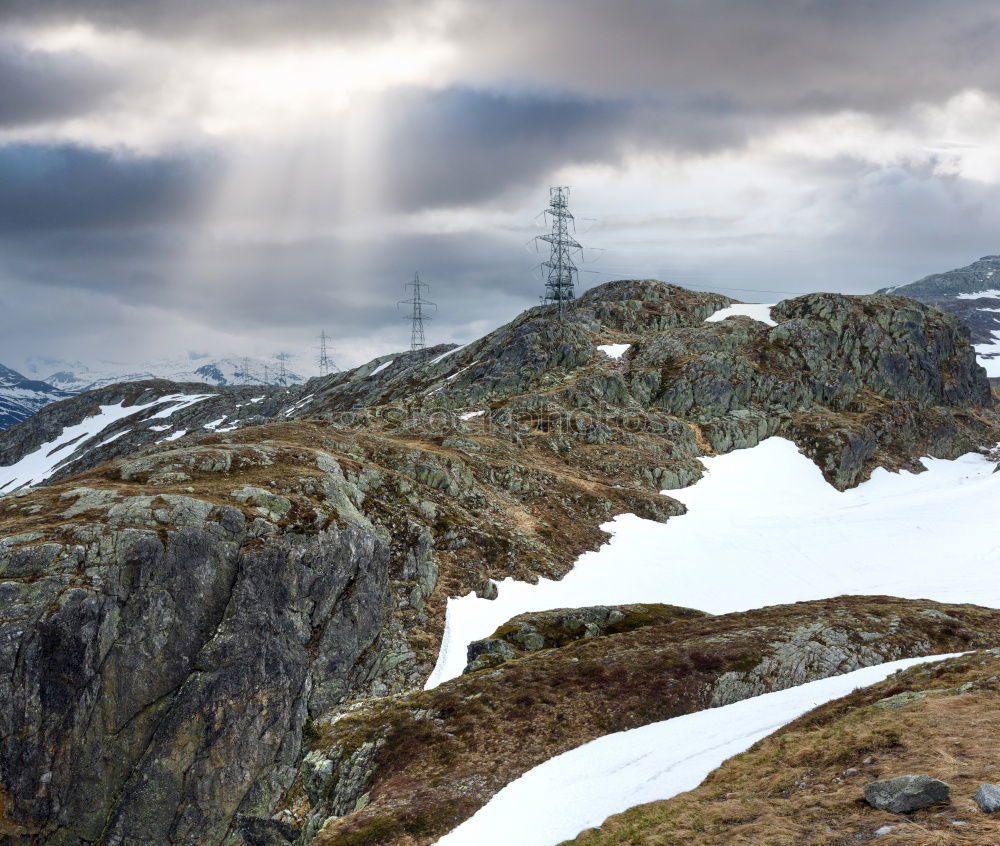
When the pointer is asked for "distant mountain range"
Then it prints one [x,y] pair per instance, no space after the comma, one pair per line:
[52,379]
[21,397]
[973,294]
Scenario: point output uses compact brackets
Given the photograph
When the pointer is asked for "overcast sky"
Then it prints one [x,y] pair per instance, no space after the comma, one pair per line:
[195,176]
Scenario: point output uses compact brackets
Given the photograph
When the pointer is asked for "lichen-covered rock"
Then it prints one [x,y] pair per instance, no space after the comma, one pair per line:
[988,798]
[906,793]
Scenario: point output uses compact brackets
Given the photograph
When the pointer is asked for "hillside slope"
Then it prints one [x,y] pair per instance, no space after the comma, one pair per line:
[183,616]
[972,294]
[21,397]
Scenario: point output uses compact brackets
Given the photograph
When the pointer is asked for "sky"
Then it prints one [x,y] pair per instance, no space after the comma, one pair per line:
[192,177]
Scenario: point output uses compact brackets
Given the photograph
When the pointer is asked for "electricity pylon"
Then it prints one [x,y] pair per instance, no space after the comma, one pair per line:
[561,272]
[326,364]
[417,316]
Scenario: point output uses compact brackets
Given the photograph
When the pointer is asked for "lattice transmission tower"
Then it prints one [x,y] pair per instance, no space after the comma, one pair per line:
[326,363]
[560,269]
[417,315]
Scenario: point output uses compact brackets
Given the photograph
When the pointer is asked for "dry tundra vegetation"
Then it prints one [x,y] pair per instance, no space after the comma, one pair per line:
[439,755]
[803,784]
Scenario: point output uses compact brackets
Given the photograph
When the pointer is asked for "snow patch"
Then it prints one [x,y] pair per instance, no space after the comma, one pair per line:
[758,311]
[37,466]
[381,367]
[992,292]
[581,788]
[173,436]
[177,402]
[613,350]
[450,352]
[764,527]
[468,415]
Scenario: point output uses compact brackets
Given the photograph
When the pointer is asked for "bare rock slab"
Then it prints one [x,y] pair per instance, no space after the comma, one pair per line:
[906,793]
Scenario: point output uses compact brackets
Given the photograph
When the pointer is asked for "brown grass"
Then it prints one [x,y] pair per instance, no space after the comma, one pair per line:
[449,749]
[796,786]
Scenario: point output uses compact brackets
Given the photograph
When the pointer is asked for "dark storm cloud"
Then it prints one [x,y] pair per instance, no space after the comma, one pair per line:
[768,55]
[51,187]
[461,146]
[222,20]
[36,86]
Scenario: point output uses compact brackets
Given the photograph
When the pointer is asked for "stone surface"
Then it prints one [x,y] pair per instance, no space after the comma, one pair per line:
[988,798]
[906,793]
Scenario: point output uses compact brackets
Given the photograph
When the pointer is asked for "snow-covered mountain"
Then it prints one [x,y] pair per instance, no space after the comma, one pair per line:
[21,397]
[973,294]
[52,379]
[76,376]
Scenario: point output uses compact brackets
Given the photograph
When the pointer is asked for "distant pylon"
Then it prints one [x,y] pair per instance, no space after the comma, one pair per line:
[417,317]
[326,364]
[246,371]
[282,377]
[560,270]
[267,375]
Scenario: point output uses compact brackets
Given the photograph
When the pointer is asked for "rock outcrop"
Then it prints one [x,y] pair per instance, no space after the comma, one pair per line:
[186,622]
[405,770]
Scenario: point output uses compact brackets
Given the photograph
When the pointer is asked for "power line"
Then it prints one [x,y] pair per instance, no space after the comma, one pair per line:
[417,316]
[560,269]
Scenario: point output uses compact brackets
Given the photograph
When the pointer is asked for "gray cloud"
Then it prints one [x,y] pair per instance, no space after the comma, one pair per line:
[225,22]
[110,251]
[52,187]
[39,86]
[771,56]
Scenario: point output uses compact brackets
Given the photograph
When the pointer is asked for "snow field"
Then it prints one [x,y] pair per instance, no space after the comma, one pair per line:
[584,786]
[765,528]
[613,350]
[758,311]
[37,466]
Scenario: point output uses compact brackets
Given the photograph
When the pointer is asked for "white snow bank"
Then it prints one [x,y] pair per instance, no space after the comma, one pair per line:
[175,403]
[613,350]
[581,788]
[993,292]
[758,311]
[764,528]
[443,356]
[382,366]
[988,356]
[468,415]
[37,466]
[173,436]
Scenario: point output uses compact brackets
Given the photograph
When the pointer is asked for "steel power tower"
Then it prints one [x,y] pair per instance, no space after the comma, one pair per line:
[326,364]
[560,270]
[417,316]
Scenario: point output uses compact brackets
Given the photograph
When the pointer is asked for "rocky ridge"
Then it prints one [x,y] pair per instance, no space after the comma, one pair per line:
[971,293]
[300,551]
[21,397]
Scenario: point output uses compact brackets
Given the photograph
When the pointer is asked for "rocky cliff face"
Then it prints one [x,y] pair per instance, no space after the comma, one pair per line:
[972,294]
[179,617]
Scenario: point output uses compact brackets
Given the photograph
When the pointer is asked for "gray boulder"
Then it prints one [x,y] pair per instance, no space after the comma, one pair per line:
[988,798]
[906,793]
